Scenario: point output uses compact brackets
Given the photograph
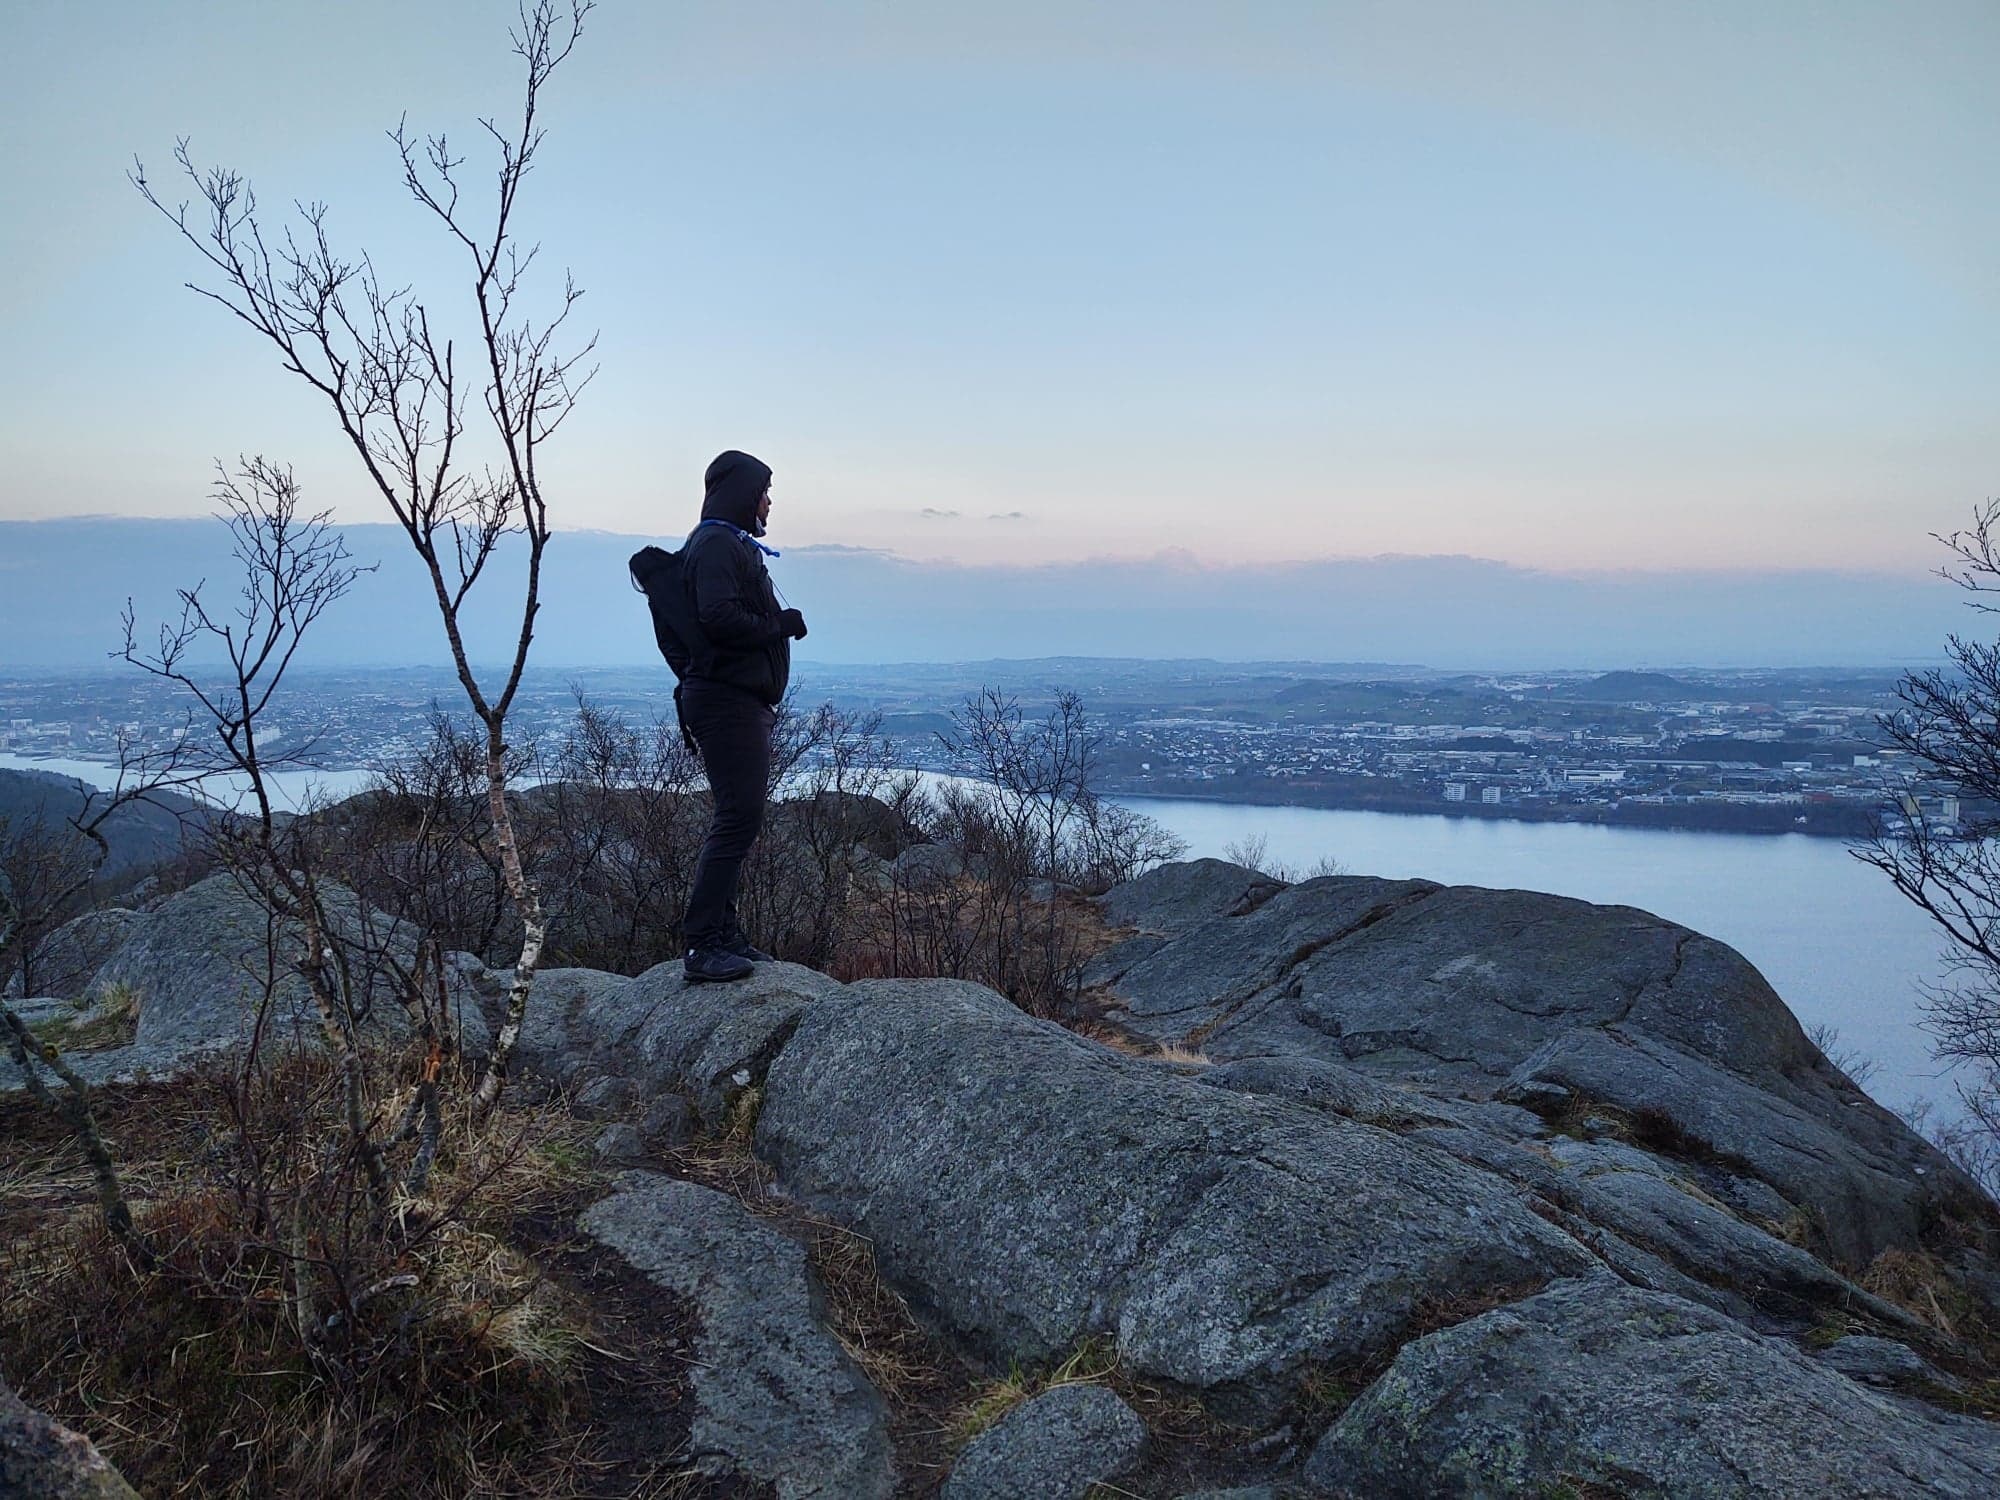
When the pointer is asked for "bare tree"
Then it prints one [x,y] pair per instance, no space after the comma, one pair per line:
[295,566]
[1947,723]
[375,353]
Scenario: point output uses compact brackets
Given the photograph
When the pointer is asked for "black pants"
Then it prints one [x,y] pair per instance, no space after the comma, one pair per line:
[732,730]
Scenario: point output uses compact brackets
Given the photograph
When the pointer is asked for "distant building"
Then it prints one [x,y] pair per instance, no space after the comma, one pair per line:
[1454,791]
[1490,796]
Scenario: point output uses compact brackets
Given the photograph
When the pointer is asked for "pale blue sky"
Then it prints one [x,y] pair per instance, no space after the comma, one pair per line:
[1586,285]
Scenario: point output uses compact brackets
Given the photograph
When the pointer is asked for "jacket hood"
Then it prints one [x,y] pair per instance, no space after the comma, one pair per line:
[736,482]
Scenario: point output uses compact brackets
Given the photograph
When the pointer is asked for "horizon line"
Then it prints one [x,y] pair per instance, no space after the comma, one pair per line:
[1178,557]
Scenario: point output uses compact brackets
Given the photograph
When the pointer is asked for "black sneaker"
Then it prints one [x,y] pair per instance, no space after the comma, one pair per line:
[742,947]
[715,966]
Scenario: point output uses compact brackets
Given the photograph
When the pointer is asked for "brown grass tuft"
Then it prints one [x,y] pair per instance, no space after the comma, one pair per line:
[455,1376]
[111,1021]
[1094,1361]
[1920,1283]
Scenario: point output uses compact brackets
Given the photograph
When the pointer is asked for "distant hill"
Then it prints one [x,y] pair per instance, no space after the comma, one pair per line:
[140,834]
[1631,687]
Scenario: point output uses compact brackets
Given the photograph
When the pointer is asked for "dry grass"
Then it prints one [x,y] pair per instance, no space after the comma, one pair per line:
[741,1127]
[456,1377]
[914,1372]
[1920,1283]
[111,1021]
[1119,1040]
[1213,1024]
[1093,1362]
[1447,1310]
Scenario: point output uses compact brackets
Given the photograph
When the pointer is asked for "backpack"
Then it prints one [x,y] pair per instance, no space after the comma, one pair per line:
[658,575]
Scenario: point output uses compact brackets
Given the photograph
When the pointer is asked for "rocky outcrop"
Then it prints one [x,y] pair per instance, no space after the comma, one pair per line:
[40,1459]
[1054,1446]
[1884,1362]
[194,971]
[1594,1387]
[199,965]
[1470,993]
[1318,1197]
[1562,1189]
[780,1403]
[1701,1230]
[656,1031]
[1172,898]
[1033,1188]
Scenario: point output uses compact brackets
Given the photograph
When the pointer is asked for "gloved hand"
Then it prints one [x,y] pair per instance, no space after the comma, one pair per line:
[794,623]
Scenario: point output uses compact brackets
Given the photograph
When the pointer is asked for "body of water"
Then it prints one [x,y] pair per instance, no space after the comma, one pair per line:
[1830,934]
[289,789]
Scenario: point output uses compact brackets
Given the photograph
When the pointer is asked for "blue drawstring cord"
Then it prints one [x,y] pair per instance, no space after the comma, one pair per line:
[718,521]
[767,551]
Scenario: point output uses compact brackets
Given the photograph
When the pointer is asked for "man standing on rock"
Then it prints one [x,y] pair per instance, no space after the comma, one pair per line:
[732,679]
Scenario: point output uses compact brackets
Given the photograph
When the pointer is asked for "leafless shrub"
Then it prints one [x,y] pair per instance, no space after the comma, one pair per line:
[1252,851]
[615,826]
[47,869]
[1857,1065]
[1017,839]
[841,808]
[418,844]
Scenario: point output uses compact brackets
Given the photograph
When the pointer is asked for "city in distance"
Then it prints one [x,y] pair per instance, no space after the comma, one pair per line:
[1767,751]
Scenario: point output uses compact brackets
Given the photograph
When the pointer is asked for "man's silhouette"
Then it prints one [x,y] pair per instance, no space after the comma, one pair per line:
[728,697]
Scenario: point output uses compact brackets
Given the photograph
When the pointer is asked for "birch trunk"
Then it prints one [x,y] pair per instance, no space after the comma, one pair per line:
[534,929]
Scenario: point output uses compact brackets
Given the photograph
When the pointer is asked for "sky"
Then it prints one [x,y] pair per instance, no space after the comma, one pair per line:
[1578,287]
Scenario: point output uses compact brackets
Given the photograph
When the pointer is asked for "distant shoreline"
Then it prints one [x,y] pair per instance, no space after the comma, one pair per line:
[1840,821]
[1835,822]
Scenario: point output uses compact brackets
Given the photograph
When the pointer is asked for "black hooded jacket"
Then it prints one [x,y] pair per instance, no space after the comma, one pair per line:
[734,601]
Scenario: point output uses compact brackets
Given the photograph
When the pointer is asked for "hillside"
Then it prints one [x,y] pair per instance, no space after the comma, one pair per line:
[140,834]
[1632,687]
[1358,1188]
